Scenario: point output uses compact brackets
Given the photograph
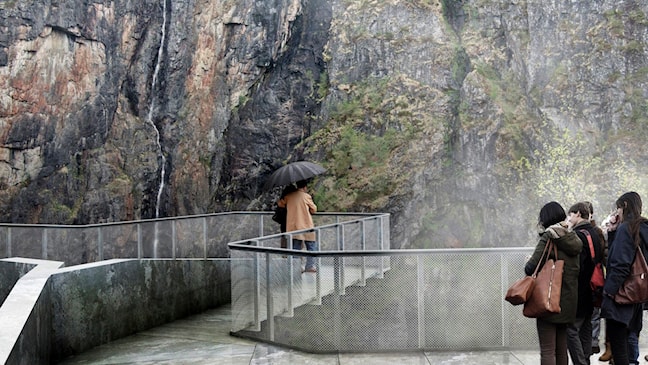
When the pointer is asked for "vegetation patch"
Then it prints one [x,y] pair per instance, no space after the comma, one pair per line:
[615,25]
[366,141]
[10,4]
[567,169]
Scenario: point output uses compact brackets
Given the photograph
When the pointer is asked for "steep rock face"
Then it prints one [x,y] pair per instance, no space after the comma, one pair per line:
[278,114]
[540,69]
[525,102]
[105,98]
[461,118]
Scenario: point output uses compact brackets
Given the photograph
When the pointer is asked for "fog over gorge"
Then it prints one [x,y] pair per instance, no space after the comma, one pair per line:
[460,118]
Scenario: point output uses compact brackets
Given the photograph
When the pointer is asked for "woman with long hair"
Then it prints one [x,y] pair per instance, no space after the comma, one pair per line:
[624,320]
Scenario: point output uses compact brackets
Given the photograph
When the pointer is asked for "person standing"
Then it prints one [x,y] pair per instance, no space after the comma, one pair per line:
[300,207]
[280,215]
[552,329]
[624,321]
[579,333]
[596,314]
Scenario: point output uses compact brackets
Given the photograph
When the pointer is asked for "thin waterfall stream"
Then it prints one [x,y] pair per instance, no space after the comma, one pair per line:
[149,117]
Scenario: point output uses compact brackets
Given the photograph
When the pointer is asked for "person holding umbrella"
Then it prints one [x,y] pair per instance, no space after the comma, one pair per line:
[281,213]
[300,207]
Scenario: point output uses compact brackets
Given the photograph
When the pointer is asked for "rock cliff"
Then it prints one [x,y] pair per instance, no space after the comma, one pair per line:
[461,118]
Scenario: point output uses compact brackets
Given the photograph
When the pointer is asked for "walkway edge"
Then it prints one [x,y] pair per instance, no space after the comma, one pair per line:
[17,314]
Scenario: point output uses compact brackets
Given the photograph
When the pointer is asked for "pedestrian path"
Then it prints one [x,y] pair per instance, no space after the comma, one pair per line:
[205,339]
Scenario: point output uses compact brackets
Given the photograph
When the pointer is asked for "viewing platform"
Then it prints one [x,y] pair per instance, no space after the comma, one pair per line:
[205,339]
[219,289]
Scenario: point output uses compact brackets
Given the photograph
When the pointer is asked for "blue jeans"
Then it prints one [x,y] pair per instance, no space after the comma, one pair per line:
[310,246]
[633,347]
[596,326]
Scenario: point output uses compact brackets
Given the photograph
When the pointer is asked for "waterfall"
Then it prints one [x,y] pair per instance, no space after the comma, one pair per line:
[149,118]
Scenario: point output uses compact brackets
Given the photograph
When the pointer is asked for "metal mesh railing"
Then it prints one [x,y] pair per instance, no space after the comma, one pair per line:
[200,236]
[265,284]
[427,299]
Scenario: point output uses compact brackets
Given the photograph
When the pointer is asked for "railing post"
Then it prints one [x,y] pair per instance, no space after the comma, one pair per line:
[342,259]
[204,236]
[291,283]
[100,253]
[340,244]
[506,336]
[9,254]
[386,239]
[261,225]
[363,260]
[139,241]
[381,238]
[44,244]
[420,295]
[269,300]
[381,242]
[318,276]
[156,239]
[337,325]
[173,239]
[257,290]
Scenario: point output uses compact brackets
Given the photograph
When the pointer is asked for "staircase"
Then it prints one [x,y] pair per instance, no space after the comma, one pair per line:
[363,318]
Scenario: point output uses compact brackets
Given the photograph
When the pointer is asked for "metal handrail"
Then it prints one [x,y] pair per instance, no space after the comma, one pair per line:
[354,253]
[316,230]
[40,241]
[178,218]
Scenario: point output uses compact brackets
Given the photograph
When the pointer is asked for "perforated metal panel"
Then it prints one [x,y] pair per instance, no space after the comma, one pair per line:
[432,300]
[464,305]
[520,331]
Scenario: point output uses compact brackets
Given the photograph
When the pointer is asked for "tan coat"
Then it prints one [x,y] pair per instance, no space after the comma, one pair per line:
[300,206]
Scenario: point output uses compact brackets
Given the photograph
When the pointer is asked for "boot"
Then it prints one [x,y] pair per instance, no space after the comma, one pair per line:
[607,355]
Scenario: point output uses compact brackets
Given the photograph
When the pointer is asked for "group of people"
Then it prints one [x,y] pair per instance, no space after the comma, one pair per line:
[300,207]
[570,332]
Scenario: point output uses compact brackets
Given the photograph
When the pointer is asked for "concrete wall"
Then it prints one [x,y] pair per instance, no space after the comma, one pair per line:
[10,272]
[25,314]
[96,303]
[34,343]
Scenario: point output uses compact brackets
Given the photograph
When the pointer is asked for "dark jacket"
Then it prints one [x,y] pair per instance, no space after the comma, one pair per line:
[621,253]
[569,248]
[585,298]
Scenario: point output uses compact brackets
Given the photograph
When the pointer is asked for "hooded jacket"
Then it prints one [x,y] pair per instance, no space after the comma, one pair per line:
[569,247]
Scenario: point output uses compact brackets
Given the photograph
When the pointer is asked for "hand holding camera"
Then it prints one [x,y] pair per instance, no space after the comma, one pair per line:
[611,222]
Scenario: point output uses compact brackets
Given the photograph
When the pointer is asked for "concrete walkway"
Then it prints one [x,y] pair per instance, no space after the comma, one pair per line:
[205,339]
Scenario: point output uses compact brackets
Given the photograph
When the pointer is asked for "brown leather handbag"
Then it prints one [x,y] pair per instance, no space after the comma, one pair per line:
[520,291]
[634,289]
[545,298]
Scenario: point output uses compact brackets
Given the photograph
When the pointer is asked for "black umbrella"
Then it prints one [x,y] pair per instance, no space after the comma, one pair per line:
[293,172]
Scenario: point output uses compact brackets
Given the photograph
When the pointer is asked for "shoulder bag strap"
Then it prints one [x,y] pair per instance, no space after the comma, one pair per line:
[589,240]
[542,259]
[642,242]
